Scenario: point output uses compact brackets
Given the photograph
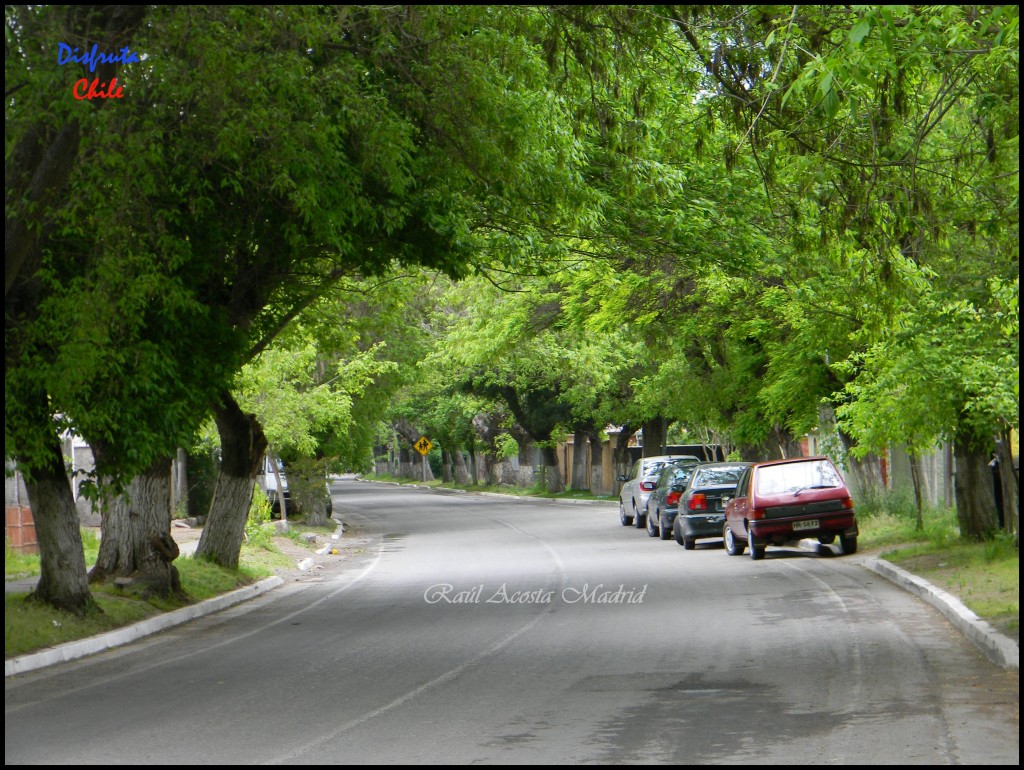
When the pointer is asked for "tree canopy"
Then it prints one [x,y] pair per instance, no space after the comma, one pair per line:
[727,216]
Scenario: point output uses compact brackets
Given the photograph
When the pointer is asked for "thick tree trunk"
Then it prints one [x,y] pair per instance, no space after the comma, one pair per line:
[243,445]
[446,466]
[580,476]
[654,437]
[493,477]
[408,468]
[620,457]
[136,533]
[462,472]
[549,471]
[63,582]
[973,488]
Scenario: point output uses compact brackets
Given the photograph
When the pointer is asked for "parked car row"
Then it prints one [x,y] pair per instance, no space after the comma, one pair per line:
[746,505]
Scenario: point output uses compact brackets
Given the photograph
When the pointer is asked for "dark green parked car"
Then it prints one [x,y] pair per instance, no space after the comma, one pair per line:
[702,506]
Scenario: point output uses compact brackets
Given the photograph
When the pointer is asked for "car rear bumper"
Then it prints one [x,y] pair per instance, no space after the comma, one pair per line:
[843,523]
[702,525]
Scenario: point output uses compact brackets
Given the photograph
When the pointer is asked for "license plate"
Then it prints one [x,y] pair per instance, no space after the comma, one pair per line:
[809,524]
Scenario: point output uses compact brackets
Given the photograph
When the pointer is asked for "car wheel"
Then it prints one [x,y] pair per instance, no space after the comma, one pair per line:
[689,544]
[651,526]
[848,544]
[733,547]
[756,549]
[826,539]
[665,533]
[677,533]
[623,518]
[641,521]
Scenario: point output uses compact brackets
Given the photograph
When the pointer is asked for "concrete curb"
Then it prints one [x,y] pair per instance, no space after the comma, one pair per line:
[999,648]
[82,647]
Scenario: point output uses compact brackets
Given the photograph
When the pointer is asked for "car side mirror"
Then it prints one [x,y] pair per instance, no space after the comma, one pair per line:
[621,477]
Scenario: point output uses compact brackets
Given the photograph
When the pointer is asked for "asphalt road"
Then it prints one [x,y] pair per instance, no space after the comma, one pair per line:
[467,629]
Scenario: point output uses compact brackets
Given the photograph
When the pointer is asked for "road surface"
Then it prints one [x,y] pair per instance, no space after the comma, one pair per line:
[468,629]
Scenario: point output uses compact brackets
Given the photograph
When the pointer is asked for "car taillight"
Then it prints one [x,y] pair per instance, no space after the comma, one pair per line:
[759,513]
[848,503]
[698,502]
[672,498]
[647,486]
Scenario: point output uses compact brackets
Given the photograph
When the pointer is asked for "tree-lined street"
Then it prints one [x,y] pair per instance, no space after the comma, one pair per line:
[307,230]
[464,628]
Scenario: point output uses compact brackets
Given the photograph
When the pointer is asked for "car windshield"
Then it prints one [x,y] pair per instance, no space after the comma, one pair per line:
[796,477]
[718,477]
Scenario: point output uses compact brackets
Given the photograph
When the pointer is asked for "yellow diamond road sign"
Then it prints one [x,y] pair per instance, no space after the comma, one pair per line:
[423,446]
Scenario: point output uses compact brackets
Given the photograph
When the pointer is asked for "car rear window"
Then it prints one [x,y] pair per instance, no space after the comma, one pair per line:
[718,477]
[795,477]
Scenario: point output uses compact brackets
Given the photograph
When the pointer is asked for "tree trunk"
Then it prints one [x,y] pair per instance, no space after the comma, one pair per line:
[243,445]
[580,476]
[474,466]
[1008,483]
[973,488]
[654,437]
[281,501]
[597,481]
[180,483]
[446,466]
[135,538]
[407,467]
[63,583]
[620,457]
[462,473]
[915,475]
[549,471]
[493,476]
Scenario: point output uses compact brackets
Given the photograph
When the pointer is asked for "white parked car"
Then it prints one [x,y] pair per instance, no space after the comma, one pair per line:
[268,483]
[638,484]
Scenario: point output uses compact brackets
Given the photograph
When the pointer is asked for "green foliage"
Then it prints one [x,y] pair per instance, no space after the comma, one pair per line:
[306,483]
[734,221]
[507,447]
[947,365]
[259,530]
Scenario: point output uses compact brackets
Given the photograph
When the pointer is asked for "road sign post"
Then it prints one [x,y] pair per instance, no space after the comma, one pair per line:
[423,446]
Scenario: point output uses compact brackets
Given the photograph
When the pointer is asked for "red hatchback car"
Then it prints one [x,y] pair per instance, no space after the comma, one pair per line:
[784,501]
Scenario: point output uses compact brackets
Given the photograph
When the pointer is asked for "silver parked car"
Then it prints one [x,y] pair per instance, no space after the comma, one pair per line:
[638,484]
